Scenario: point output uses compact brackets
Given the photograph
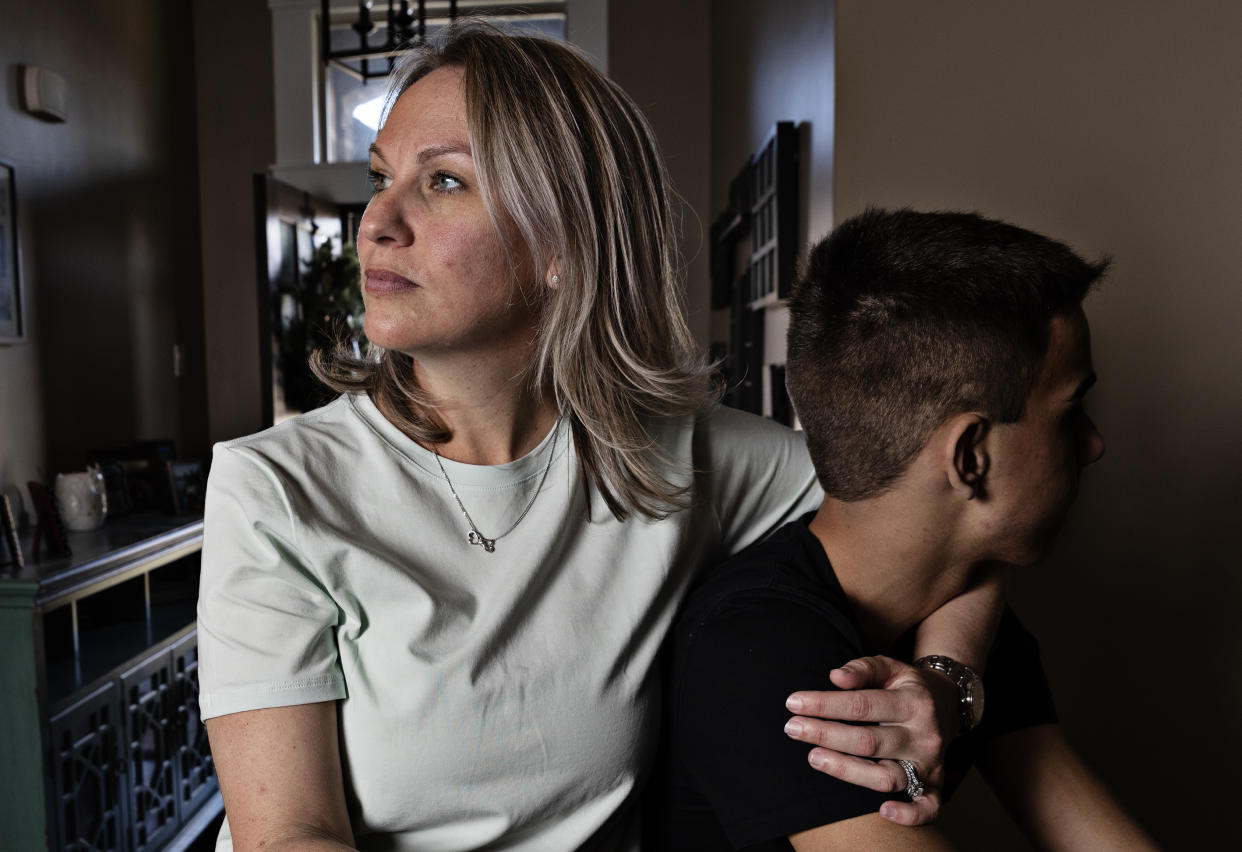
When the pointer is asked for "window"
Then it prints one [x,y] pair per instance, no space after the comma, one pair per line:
[353,106]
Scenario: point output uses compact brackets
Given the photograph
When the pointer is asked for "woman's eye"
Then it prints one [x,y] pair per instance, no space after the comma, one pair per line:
[378,181]
[442,182]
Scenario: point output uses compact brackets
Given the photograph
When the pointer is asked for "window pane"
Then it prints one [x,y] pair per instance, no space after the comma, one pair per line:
[353,108]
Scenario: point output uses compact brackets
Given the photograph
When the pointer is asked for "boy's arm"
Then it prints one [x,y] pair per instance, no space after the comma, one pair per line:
[917,710]
[870,832]
[964,627]
[1056,799]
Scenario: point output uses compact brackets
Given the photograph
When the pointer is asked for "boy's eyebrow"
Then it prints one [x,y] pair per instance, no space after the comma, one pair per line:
[1084,386]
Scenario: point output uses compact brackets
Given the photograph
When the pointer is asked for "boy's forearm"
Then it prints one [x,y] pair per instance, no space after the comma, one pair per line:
[1056,799]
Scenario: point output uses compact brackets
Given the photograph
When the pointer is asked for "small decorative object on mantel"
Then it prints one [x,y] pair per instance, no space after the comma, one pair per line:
[116,486]
[136,477]
[185,480]
[49,528]
[11,560]
[83,499]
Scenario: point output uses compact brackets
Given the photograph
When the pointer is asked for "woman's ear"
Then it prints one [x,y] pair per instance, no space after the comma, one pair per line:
[553,277]
[967,454]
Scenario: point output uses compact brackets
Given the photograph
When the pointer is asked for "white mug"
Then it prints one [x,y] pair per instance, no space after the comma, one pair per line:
[82,498]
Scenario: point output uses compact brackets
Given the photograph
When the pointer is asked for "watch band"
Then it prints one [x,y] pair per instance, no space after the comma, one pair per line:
[969,685]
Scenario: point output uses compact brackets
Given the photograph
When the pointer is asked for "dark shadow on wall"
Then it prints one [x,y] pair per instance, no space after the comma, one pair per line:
[120,284]
[118,264]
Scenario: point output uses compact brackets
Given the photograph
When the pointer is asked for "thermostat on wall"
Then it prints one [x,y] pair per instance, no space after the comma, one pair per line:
[45,93]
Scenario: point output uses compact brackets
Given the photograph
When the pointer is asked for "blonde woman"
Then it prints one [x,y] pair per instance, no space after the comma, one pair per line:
[431,610]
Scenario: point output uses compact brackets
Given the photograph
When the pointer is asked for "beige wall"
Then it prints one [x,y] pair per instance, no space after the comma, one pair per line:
[107,203]
[1116,126]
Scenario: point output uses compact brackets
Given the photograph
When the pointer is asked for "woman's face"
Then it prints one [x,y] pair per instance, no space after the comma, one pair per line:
[436,280]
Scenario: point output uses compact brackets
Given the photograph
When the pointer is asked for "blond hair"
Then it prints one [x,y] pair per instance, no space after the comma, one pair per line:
[568,165]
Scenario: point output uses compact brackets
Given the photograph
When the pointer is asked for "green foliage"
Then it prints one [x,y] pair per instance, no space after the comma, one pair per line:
[319,310]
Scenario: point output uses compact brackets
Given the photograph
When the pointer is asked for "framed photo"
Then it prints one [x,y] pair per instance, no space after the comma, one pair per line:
[187,484]
[11,560]
[12,305]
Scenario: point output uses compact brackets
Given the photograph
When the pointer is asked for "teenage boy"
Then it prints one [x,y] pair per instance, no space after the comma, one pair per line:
[938,362]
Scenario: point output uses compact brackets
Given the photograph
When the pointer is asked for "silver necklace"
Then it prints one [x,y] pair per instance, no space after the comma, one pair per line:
[476,537]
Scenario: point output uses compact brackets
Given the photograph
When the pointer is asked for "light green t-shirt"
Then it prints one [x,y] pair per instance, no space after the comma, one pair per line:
[504,699]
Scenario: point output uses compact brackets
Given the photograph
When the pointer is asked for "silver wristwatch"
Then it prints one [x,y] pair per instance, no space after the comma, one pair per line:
[969,684]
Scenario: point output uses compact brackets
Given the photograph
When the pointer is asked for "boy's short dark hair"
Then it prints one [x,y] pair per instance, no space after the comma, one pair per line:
[901,319]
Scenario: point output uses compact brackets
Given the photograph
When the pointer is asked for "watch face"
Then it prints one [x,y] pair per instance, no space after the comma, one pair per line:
[975,702]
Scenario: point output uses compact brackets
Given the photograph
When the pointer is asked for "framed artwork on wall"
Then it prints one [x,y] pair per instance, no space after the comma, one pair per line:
[12,307]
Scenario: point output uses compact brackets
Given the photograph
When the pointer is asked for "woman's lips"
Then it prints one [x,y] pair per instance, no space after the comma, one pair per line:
[386,281]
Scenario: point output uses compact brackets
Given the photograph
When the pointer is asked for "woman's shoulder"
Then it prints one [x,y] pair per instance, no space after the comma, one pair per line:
[318,426]
[308,448]
[739,432]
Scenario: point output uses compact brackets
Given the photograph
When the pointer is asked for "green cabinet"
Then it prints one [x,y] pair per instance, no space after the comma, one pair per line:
[102,742]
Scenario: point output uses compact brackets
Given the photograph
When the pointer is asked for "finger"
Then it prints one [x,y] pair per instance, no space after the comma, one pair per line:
[863,672]
[855,770]
[873,741]
[867,705]
[920,811]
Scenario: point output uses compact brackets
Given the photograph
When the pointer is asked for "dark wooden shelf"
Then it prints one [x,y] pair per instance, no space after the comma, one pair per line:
[121,548]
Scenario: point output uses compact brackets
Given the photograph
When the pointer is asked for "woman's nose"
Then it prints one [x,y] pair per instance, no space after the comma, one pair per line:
[384,220]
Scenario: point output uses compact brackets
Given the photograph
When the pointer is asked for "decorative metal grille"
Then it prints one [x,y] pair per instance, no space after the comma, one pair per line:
[89,810]
[150,752]
[131,759]
[196,770]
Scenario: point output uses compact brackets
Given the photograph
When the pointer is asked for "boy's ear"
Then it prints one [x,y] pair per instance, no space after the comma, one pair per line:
[967,453]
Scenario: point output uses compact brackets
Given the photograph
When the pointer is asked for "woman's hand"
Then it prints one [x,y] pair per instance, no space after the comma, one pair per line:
[914,714]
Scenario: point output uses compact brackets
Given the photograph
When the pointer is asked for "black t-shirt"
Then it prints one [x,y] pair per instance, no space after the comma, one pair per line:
[770,621]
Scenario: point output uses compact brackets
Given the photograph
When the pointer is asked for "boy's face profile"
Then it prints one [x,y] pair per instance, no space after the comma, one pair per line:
[1036,462]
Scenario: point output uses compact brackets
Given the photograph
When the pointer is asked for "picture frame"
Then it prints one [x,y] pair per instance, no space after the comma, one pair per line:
[12,301]
[50,529]
[11,559]
[187,485]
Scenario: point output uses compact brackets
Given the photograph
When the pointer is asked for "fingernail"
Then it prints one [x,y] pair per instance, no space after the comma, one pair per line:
[793,703]
[817,760]
[793,727]
[888,811]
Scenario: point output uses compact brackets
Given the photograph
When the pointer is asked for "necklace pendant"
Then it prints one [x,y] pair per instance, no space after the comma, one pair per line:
[488,544]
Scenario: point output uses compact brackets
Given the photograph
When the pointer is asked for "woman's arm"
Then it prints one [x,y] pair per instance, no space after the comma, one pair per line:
[280,775]
[916,711]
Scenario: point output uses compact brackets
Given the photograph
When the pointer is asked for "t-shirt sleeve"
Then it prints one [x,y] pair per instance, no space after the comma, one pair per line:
[731,675]
[1016,691]
[762,475]
[266,622]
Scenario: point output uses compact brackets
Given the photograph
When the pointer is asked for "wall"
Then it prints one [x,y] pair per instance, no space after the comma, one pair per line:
[773,62]
[665,69]
[107,204]
[1115,126]
[233,41]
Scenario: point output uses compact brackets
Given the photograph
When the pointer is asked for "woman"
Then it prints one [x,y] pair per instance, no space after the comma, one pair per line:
[430,610]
